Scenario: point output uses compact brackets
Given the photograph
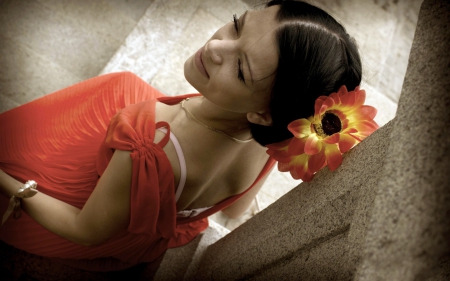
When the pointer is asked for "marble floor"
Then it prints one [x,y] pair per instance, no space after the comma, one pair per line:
[46,45]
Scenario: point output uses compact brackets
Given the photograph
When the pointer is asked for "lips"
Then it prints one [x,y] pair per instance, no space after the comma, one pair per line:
[199,62]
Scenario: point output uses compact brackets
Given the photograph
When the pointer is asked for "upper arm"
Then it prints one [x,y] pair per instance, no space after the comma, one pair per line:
[238,208]
[107,211]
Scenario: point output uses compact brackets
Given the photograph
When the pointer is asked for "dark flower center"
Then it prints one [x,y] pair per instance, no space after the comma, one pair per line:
[331,124]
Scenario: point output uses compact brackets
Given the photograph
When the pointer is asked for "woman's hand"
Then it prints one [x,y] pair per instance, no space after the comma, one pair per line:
[105,213]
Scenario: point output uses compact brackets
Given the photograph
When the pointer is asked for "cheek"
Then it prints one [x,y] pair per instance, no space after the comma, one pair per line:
[261,96]
[223,80]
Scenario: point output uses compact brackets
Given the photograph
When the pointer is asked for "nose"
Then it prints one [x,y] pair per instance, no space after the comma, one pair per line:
[215,50]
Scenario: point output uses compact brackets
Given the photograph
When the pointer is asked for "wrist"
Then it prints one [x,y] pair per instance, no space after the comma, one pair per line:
[13,189]
[29,189]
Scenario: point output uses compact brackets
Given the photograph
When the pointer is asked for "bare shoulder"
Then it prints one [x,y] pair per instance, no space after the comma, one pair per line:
[164,112]
[248,164]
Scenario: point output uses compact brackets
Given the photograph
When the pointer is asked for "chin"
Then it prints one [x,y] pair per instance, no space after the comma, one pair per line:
[190,74]
[187,71]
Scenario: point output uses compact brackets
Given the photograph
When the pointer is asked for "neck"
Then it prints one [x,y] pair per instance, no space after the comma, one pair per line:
[233,123]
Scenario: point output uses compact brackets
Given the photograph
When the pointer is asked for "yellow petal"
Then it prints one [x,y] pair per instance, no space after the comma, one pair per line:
[334,157]
[300,128]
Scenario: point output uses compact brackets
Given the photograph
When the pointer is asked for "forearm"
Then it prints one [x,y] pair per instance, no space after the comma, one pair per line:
[8,185]
[54,215]
[105,213]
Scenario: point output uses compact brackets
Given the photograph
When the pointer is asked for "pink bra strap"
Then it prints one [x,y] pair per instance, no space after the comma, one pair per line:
[183,170]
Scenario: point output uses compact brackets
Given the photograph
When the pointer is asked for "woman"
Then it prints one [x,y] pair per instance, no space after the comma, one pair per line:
[126,191]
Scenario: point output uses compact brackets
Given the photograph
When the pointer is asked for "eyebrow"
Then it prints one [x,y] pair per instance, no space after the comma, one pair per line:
[245,54]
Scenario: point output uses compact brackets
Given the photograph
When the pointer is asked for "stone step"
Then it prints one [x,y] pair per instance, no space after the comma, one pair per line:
[183,262]
[47,45]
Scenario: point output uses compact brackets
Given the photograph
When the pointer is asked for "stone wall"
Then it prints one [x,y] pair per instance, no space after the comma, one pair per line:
[315,231]
[409,232]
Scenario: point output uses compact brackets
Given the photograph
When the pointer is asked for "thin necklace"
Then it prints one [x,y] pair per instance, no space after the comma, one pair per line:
[211,128]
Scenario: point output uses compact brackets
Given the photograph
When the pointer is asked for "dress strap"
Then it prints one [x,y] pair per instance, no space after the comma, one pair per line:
[165,139]
[183,169]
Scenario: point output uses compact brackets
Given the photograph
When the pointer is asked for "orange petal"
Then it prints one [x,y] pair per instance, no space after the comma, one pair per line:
[342,90]
[334,138]
[339,113]
[346,142]
[278,151]
[318,103]
[352,98]
[336,97]
[357,137]
[297,146]
[349,130]
[365,112]
[307,177]
[313,145]
[299,166]
[360,97]
[300,128]
[344,123]
[327,104]
[281,157]
[343,94]
[334,157]
[316,162]
[369,111]
[279,145]
[283,167]
[348,100]
[365,127]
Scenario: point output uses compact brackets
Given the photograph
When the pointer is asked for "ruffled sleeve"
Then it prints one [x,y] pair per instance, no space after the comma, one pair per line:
[152,202]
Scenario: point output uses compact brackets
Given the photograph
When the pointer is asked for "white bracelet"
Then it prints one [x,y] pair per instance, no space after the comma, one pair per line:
[29,189]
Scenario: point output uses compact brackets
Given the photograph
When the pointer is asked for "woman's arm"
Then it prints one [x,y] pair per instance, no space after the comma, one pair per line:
[105,213]
[238,208]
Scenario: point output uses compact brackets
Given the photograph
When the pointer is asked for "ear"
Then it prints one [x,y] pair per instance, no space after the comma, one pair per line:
[264,118]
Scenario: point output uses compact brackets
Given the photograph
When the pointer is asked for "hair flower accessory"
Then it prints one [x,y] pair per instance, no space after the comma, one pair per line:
[340,121]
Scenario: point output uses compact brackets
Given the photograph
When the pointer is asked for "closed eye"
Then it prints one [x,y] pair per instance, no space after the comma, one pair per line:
[240,73]
[235,21]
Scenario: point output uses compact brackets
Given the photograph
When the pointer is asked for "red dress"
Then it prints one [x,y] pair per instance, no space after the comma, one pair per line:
[59,141]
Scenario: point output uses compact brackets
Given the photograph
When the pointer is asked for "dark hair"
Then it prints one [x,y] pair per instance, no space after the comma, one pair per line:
[316,57]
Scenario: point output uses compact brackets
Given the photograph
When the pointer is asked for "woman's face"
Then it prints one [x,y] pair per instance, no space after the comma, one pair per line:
[236,67]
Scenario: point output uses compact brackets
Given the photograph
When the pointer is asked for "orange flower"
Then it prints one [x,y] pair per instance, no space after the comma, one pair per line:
[340,121]
[297,165]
